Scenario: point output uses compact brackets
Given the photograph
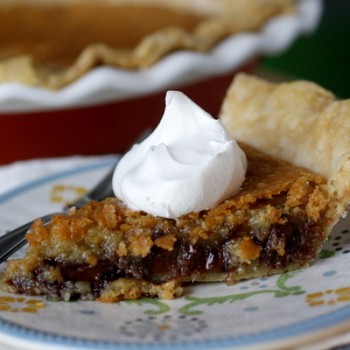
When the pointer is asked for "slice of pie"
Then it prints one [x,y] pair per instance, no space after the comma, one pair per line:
[52,43]
[277,222]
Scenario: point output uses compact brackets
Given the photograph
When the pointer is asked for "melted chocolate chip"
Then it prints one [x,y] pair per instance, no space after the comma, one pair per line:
[285,243]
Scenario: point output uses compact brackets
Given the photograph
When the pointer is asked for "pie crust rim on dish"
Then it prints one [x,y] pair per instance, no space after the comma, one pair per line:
[222,18]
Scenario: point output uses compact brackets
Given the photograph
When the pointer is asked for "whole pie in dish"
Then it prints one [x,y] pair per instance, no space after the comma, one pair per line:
[52,43]
[296,188]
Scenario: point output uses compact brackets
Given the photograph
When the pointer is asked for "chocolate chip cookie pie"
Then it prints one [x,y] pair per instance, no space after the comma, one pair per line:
[52,43]
[296,140]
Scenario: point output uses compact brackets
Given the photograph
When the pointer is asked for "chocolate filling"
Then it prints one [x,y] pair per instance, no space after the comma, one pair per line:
[300,242]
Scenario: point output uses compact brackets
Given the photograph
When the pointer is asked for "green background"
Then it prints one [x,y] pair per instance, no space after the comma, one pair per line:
[324,55]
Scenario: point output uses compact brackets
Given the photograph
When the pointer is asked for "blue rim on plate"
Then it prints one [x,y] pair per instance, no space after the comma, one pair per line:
[301,328]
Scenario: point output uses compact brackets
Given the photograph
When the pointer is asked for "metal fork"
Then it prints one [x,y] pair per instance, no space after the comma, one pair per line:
[14,240]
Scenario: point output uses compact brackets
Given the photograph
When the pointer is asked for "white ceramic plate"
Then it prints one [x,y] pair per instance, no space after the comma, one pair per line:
[266,313]
[105,84]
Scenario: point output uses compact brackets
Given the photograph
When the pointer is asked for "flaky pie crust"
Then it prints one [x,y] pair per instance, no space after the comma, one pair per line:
[299,122]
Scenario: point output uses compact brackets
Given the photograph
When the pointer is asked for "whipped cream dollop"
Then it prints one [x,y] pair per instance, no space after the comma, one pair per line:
[189,163]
